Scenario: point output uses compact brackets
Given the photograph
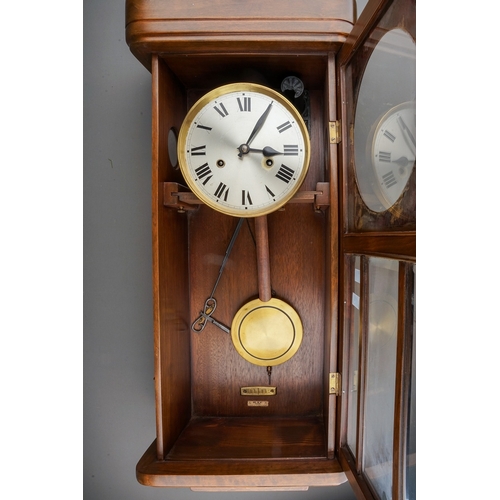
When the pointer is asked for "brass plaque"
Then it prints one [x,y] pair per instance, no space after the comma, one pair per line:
[258,403]
[258,391]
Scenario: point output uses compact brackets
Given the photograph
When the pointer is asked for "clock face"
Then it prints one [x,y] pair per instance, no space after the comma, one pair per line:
[244,150]
[393,152]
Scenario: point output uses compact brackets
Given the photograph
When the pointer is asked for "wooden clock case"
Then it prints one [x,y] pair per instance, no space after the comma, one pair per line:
[209,436]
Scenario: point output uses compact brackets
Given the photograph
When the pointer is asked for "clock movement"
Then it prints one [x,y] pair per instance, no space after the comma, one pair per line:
[283,209]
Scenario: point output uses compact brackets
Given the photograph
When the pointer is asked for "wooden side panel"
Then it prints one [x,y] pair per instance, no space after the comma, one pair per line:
[170,270]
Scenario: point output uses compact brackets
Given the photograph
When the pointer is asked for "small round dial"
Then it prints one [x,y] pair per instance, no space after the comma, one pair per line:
[293,83]
[244,150]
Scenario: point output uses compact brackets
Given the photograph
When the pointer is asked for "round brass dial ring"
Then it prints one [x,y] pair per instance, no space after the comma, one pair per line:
[244,149]
[266,333]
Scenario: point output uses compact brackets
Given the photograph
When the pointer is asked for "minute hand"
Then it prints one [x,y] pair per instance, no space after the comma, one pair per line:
[258,126]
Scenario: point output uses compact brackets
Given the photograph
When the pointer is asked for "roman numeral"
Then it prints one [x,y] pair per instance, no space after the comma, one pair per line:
[199,150]
[285,173]
[389,179]
[222,189]
[290,150]
[204,171]
[221,110]
[284,126]
[203,127]
[384,156]
[245,198]
[270,192]
[389,136]
[246,105]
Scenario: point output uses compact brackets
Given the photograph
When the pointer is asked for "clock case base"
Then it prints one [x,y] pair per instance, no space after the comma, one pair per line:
[238,474]
[208,436]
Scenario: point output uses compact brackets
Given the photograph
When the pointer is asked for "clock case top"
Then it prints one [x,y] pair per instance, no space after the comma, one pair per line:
[221,26]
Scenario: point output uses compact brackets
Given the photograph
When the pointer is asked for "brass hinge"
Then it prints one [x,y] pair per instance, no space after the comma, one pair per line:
[335,135]
[335,385]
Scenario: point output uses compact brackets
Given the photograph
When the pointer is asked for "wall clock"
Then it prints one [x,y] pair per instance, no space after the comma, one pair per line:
[257,208]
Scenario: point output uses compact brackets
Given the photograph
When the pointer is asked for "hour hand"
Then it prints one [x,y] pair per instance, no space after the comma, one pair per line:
[268,151]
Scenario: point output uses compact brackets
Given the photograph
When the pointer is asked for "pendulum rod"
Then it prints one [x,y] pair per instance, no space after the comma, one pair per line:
[263,267]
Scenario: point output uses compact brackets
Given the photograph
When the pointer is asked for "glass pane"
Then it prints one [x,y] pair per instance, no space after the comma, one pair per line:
[353,329]
[380,374]
[411,450]
[384,129]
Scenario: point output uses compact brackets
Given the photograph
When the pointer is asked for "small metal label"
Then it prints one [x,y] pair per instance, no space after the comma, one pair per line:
[258,391]
[258,403]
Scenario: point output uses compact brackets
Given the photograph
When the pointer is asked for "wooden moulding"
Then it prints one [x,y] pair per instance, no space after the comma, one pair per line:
[154,26]
[238,475]
[397,245]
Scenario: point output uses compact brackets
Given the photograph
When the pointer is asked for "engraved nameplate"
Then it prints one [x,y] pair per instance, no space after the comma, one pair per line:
[258,403]
[258,391]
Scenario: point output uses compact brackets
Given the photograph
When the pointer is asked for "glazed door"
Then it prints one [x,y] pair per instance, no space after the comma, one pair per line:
[376,432]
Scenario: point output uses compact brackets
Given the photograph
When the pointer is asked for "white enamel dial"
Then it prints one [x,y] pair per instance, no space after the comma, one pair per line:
[393,152]
[244,150]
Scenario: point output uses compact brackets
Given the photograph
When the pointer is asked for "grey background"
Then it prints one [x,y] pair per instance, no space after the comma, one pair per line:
[118,411]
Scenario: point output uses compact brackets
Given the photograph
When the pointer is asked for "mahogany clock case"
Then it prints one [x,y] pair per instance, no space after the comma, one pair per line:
[209,435]
[201,414]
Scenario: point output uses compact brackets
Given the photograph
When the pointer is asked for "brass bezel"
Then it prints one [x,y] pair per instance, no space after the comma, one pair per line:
[204,101]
